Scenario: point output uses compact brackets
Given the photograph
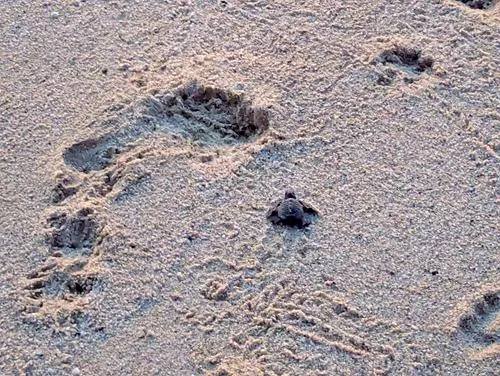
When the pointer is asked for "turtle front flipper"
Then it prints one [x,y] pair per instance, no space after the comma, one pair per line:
[272,213]
[309,209]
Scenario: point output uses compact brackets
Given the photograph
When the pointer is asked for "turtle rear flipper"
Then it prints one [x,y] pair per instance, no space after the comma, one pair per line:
[306,221]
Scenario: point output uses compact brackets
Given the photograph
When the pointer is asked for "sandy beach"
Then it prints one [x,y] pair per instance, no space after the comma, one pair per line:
[143,142]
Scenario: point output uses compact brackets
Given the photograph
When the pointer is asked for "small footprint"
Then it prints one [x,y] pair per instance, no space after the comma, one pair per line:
[481,323]
[66,186]
[479,4]
[407,60]
[59,283]
[59,279]
[73,234]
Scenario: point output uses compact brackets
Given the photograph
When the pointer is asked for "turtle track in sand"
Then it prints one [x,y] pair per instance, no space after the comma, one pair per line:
[256,311]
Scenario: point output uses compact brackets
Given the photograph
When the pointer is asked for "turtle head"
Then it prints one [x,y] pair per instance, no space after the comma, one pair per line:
[289,193]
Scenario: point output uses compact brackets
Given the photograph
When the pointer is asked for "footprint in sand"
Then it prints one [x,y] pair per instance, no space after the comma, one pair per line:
[60,285]
[73,234]
[408,61]
[480,324]
[205,116]
[66,283]
[479,4]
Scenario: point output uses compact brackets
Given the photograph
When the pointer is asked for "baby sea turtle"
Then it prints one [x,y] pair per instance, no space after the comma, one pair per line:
[291,212]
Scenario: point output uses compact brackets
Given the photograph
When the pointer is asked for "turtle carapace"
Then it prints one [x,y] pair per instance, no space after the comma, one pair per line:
[291,212]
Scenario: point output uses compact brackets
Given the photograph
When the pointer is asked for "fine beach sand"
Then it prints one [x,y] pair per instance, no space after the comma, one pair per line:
[142,142]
